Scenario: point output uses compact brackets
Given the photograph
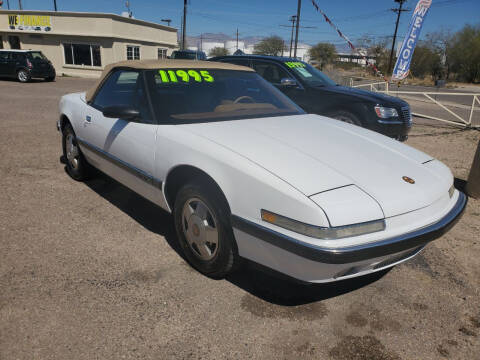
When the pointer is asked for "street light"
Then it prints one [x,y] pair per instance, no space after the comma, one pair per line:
[168,21]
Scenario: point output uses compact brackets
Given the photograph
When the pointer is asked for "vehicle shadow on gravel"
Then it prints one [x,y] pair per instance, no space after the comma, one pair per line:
[147,214]
[260,282]
[275,288]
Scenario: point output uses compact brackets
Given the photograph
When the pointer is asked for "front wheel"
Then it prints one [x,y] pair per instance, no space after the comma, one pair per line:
[50,78]
[23,76]
[347,117]
[202,223]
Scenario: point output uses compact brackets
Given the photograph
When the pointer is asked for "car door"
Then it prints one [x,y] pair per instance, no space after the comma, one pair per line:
[274,73]
[121,148]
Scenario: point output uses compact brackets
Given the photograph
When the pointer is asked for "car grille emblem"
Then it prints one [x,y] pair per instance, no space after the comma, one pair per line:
[408,180]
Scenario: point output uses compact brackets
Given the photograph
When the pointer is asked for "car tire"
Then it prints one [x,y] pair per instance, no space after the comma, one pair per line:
[23,76]
[76,165]
[346,116]
[202,223]
[50,78]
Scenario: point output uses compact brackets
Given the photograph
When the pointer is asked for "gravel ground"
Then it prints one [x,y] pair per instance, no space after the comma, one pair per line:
[93,271]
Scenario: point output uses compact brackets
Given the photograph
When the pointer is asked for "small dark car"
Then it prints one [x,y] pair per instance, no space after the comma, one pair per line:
[25,65]
[188,55]
[318,94]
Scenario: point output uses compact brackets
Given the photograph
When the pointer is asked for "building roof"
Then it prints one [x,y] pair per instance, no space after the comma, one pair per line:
[89,14]
[162,64]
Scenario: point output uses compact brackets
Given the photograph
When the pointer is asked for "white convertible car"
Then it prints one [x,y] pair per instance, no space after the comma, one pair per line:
[248,174]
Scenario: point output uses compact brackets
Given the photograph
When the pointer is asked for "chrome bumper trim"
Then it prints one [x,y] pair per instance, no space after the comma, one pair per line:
[357,253]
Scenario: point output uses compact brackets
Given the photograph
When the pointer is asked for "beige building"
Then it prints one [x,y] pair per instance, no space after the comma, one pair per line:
[81,44]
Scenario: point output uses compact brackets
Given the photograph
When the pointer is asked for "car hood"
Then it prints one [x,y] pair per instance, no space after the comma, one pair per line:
[364,95]
[315,154]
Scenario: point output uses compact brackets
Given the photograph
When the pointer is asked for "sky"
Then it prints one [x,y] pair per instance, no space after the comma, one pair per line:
[264,18]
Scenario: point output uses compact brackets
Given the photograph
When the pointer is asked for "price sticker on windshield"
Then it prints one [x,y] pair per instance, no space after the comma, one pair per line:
[295,64]
[186,76]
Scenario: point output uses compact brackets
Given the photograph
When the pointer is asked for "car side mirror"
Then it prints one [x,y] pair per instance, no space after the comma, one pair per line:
[288,82]
[121,112]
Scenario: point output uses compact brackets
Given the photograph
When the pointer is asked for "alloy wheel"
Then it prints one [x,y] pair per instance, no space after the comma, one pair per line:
[200,229]
[72,151]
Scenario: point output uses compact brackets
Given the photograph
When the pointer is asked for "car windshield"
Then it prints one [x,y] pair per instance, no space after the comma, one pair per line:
[36,55]
[196,96]
[309,74]
[188,55]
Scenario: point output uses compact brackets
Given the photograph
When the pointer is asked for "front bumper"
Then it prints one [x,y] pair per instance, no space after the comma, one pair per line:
[312,263]
[391,128]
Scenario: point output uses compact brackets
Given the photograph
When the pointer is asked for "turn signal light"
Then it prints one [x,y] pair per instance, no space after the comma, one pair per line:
[268,217]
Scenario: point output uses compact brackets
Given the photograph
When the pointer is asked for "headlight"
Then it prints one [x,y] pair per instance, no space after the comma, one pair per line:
[326,233]
[385,112]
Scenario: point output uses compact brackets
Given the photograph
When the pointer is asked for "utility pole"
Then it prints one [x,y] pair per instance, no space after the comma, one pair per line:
[184,27]
[299,6]
[201,42]
[399,12]
[293,19]
[55,5]
[20,4]
[237,38]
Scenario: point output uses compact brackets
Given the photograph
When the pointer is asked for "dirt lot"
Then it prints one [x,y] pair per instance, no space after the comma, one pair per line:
[92,271]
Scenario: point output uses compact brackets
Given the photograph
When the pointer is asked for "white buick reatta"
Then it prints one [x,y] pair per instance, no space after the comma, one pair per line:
[248,174]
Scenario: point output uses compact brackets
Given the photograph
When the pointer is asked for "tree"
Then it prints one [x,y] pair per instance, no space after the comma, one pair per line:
[426,61]
[273,45]
[218,51]
[377,49]
[465,53]
[324,53]
[441,43]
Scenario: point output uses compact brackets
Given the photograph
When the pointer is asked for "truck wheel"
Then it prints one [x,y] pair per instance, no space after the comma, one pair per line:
[23,76]
[346,116]
[202,223]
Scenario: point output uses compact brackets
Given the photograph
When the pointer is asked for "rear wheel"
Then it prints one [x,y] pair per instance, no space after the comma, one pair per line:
[50,78]
[23,76]
[77,166]
[347,117]
[202,223]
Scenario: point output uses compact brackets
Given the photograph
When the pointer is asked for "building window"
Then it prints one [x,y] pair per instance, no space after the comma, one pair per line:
[82,54]
[162,53]
[1,42]
[133,52]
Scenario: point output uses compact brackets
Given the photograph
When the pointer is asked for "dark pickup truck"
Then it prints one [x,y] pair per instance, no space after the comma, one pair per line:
[316,93]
